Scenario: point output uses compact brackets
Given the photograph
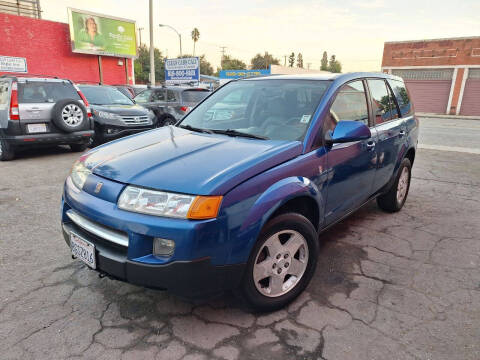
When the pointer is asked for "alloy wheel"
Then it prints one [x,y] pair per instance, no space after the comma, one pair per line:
[72,115]
[280,263]
[402,186]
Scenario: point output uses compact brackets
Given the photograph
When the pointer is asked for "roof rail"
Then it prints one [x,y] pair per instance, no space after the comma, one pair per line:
[31,75]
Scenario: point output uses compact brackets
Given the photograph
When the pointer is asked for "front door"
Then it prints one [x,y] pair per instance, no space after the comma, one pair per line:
[351,165]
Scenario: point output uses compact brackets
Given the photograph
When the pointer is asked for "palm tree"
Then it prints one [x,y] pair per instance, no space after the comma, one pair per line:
[195,37]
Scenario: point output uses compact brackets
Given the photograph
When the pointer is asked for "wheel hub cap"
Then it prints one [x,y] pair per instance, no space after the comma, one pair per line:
[72,115]
[402,185]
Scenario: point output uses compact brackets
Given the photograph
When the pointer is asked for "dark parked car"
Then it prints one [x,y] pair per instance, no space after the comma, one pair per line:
[170,104]
[115,115]
[238,202]
[38,111]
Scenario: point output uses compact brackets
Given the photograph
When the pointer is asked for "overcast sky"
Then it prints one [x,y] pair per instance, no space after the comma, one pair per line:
[353,30]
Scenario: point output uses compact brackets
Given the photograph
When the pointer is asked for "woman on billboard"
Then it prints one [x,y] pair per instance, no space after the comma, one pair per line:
[90,35]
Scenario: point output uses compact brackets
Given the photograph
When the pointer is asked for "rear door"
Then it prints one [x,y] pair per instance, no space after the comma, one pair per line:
[36,100]
[351,165]
[391,130]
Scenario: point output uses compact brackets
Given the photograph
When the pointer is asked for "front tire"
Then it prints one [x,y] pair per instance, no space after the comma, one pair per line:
[393,200]
[281,263]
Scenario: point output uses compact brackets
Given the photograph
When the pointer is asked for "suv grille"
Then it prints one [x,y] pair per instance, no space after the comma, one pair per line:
[136,120]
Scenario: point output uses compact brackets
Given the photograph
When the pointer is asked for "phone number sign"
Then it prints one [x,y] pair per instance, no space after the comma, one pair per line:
[182,70]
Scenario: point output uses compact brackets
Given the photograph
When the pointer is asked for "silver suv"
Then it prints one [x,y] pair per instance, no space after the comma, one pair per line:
[37,111]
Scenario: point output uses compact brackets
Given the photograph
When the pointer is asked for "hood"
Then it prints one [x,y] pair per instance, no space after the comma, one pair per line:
[124,110]
[178,160]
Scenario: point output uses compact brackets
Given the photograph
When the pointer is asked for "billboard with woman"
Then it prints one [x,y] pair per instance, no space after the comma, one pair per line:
[97,34]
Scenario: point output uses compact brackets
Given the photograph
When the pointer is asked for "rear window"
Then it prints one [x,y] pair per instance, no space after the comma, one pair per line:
[3,95]
[46,92]
[401,94]
[194,96]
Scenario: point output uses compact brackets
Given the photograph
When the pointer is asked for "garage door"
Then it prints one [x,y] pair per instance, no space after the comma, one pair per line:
[471,94]
[428,88]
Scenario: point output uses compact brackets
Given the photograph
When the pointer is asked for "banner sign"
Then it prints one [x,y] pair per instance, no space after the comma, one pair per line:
[92,33]
[240,74]
[182,70]
[13,64]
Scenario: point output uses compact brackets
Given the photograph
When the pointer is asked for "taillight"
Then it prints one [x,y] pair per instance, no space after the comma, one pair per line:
[185,109]
[14,113]
[84,99]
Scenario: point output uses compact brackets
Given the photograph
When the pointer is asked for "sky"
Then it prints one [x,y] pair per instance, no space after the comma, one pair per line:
[352,30]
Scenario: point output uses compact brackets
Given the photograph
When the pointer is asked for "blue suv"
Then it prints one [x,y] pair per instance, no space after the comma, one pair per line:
[234,197]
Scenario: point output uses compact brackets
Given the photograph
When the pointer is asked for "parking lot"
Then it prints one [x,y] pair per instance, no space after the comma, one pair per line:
[388,286]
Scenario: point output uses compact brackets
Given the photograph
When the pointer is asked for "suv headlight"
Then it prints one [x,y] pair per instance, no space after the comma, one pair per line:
[166,204]
[106,115]
[79,174]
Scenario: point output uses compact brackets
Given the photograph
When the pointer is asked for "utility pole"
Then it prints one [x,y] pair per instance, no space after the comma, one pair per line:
[152,56]
[140,35]
[308,65]
[285,60]
[223,54]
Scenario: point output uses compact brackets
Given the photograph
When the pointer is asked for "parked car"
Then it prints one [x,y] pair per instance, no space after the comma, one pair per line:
[127,90]
[170,104]
[239,203]
[115,115]
[39,110]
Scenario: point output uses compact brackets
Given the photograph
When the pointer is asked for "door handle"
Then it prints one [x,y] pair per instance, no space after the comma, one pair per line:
[401,133]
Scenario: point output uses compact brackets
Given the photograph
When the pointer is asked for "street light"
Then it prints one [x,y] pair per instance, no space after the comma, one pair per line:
[179,35]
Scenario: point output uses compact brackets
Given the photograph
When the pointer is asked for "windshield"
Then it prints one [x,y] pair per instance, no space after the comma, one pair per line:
[272,109]
[194,95]
[98,95]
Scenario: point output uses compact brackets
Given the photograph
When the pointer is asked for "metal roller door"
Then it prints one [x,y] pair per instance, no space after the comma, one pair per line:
[429,88]
[471,94]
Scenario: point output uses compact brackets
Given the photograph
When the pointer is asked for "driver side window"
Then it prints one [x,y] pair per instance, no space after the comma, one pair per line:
[350,104]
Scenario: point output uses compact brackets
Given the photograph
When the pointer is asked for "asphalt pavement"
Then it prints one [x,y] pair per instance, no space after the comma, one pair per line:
[387,286]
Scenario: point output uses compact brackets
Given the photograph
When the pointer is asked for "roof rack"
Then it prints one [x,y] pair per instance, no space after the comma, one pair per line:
[30,75]
[88,82]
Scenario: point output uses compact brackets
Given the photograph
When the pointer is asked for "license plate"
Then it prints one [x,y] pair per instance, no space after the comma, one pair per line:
[83,250]
[37,128]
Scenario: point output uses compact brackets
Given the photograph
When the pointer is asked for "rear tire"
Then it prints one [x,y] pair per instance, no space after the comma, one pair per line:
[6,151]
[281,263]
[393,200]
[78,147]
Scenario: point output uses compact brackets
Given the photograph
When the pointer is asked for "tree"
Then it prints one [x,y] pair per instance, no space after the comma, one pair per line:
[229,63]
[142,65]
[205,67]
[324,65]
[263,61]
[291,59]
[300,60]
[195,37]
[334,65]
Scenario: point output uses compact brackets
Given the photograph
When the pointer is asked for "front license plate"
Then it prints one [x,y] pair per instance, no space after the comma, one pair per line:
[83,250]
[37,128]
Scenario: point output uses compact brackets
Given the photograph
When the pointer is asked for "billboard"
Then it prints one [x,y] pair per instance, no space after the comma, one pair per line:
[92,33]
[182,70]
[13,64]
[240,74]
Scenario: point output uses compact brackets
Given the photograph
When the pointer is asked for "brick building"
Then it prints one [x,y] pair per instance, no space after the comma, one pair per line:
[46,46]
[442,75]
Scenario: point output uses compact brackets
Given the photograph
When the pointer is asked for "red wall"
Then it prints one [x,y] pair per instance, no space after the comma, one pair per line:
[46,46]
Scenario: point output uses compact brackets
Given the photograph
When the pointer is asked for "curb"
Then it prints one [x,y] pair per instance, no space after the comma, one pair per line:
[444,116]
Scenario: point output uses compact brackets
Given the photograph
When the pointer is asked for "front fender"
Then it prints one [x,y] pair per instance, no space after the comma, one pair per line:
[264,206]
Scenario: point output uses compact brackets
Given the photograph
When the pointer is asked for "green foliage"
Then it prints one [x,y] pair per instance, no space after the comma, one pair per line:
[291,59]
[324,65]
[300,60]
[142,65]
[229,63]
[195,37]
[334,65]
[263,61]
[205,67]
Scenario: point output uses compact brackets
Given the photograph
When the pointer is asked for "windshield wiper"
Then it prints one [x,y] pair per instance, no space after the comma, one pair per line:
[233,132]
[200,130]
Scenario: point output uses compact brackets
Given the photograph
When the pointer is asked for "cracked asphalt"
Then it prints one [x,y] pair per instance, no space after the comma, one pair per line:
[387,286]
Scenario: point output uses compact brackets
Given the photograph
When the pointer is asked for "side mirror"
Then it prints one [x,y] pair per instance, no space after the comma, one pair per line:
[347,131]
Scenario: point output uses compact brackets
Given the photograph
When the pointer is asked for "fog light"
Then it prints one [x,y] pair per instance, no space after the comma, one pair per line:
[163,247]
